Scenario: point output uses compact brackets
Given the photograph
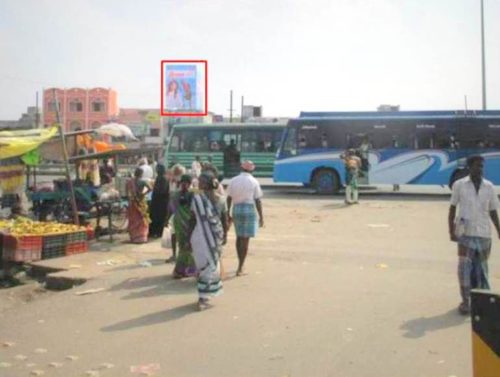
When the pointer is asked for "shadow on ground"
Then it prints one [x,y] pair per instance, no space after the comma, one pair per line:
[153,318]
[417,328]
[152,286]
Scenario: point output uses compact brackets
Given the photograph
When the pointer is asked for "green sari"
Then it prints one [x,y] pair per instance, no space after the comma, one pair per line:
[184,264]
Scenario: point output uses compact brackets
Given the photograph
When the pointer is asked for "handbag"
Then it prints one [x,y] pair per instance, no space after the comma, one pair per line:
[166,239]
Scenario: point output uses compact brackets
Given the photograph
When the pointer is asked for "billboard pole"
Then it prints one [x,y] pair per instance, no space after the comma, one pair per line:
[242,104]
[231,106]
[483,59]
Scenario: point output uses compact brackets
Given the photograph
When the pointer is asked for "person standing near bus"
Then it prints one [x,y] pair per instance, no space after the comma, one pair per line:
[478,203]
[364,150]
[352,165]
[245,192]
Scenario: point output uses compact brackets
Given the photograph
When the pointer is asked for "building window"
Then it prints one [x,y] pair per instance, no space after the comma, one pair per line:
[154,132]
[51,106]
[97,106]
[75,106]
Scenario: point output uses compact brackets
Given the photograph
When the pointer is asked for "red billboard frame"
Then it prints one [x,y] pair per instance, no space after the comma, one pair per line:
[162,112]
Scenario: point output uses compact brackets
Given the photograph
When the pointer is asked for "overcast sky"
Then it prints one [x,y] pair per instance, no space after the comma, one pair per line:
[287,56]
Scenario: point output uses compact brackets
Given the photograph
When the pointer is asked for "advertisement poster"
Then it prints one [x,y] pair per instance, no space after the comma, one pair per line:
[183,88]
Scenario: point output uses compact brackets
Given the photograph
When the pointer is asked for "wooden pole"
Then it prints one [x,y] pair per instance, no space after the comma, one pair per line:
[66,163]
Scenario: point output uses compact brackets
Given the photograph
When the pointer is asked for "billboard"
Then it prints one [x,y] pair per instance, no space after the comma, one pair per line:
[184,84]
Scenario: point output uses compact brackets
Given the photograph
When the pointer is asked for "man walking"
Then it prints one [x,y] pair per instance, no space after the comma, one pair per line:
[245,192]
[478,203]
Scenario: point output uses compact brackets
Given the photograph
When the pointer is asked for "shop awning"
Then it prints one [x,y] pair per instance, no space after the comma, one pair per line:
[17,143]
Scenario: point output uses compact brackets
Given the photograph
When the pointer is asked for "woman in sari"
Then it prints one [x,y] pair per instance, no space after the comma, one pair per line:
[159,203]
[137,213]
[181,207]
[208,232]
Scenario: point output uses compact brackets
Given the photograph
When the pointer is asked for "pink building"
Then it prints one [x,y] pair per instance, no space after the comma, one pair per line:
[80,108]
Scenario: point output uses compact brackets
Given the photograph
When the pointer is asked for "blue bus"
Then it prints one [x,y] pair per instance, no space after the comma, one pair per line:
[403,147]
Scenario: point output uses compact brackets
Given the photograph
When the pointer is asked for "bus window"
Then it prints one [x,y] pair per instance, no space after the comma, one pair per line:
[424,141]
[175,143]
[231,136]
[290,142]
[249,140]
[316,137]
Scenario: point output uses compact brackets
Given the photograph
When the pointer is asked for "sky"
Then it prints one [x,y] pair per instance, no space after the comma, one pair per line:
[288,56]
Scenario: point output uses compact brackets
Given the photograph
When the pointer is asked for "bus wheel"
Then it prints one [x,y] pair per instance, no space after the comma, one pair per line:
[325,181]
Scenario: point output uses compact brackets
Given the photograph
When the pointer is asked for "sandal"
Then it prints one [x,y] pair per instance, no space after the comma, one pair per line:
[464,308]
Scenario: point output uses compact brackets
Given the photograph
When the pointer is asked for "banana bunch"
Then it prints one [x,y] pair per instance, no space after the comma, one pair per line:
[24,226]
[5,224]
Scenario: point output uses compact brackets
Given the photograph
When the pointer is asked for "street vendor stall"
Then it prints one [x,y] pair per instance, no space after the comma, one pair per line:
[21,238]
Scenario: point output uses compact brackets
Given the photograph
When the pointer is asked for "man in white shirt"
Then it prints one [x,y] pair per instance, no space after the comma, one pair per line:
[147,171]
[478,203]
[245,192]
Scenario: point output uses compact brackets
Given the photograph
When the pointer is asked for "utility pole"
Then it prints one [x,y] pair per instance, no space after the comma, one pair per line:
[231,106]
[242,104]
[74,209]
[483,60]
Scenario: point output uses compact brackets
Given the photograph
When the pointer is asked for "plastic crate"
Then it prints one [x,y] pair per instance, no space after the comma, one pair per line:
[76,237]
[22,248]
[54,246]
[77,248]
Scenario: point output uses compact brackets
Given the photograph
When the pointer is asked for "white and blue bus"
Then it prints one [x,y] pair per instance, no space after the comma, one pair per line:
[407,147]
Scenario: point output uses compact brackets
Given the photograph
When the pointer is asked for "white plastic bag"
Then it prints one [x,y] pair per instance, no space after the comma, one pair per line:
[166,239]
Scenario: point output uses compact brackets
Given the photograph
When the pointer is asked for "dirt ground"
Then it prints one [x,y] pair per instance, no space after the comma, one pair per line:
[365,290]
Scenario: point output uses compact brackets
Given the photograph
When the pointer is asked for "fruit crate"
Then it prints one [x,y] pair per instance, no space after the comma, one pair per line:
[22,248]
[77,248]
[76,237]
[54,246]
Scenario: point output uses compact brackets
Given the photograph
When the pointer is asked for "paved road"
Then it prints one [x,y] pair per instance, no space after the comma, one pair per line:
[366,290]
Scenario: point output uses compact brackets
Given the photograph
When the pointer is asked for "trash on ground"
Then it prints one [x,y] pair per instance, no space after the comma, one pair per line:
[41,321]
[276,357]
[5,365]
[145,264]
[90,291]
[106,366]
[37,372]
[8,344]
[74,266]
[316,219]
[145,369]
[92,373]
[72,357]
[381,265]
[20,357]
[378,226]
[40,350]
[55,364]
[110,262]
[349,329]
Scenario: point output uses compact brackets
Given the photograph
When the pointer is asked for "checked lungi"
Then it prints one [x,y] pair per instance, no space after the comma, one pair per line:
[473,254]
[245,219]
